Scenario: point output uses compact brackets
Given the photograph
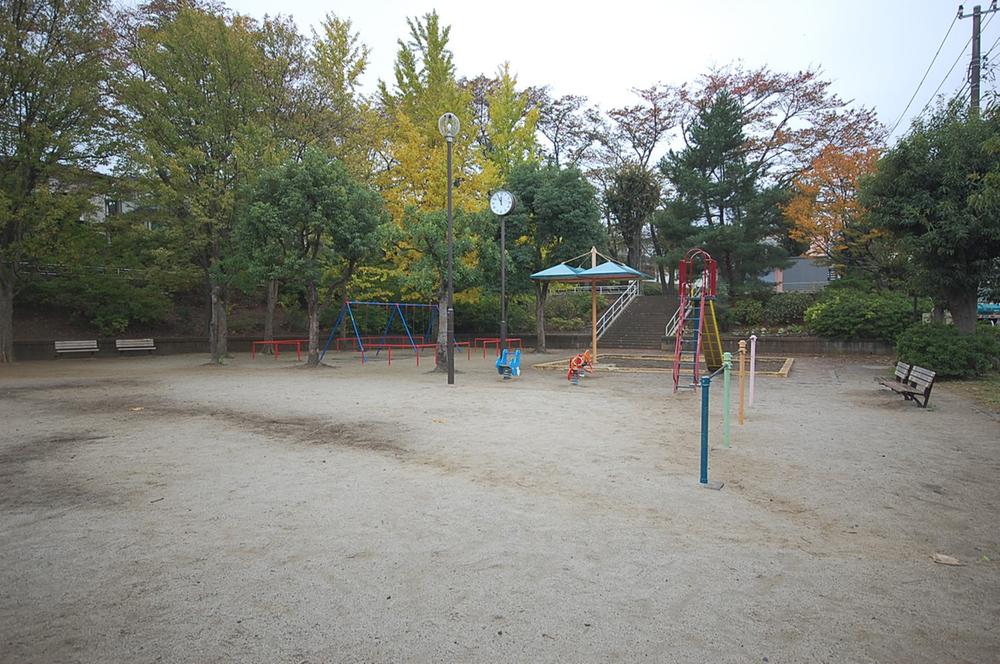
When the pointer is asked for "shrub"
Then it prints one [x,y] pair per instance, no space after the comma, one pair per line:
[848,314]
[651,288]
[573,305]
[746,312]
[941,349]
[484,314]
[787,308]
[565,324]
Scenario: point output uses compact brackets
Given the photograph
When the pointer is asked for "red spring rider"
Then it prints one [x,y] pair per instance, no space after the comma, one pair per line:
[579,365]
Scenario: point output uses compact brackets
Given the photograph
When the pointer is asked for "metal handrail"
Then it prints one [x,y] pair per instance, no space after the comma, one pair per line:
[617,307]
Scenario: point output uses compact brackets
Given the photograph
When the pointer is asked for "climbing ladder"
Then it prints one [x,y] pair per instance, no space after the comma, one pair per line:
[694,326]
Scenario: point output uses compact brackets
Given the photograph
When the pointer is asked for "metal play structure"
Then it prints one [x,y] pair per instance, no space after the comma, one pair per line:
[694,326]
[396,311]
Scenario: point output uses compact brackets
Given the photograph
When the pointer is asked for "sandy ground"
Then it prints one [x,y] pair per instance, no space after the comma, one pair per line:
[162,510]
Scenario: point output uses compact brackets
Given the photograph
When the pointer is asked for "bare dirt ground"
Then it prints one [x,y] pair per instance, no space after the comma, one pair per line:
[163,510]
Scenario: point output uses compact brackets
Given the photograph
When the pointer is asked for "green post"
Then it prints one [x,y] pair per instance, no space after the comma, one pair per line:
[727,366]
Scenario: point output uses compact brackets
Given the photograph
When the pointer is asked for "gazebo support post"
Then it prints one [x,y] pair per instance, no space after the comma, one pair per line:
[593,307]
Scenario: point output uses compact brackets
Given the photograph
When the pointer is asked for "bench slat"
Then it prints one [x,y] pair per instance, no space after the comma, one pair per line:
[76,346]
[134,344]
[916,384]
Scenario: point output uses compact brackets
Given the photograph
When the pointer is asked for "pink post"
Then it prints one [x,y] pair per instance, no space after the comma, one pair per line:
[753,362]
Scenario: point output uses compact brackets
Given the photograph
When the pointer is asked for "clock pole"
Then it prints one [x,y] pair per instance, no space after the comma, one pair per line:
[503,282]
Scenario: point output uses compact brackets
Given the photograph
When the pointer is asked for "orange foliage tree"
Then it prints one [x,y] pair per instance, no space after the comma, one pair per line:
[824,211]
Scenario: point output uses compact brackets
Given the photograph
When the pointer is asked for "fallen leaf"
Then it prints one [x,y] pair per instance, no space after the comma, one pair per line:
[946,560]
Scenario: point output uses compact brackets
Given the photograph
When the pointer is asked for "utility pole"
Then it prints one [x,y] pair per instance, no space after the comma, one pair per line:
[975,66]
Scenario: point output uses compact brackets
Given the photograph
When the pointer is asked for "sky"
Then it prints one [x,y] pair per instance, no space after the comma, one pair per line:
[874,52]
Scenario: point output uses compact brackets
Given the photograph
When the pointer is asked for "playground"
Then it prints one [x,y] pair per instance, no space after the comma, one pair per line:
[163,509]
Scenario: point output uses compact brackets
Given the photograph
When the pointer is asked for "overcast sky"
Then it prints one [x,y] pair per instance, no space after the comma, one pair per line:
[875,52]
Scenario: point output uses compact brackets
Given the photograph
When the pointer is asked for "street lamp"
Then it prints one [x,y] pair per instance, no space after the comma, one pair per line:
[448,125]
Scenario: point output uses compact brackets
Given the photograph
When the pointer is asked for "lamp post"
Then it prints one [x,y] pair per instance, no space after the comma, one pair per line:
[448,125]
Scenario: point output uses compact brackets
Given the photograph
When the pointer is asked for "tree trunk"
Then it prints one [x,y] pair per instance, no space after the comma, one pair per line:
[313,309]
[730,268]
[636,250]
[661,276]
[218,339]
[962,305]
[541,293]
[6,315]
[272,302]
[441,352]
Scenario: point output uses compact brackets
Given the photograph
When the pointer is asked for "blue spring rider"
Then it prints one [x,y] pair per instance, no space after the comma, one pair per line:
[509,365]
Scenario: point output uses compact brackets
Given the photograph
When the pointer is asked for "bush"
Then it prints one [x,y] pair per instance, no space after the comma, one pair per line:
[572,305]
[746,312]
[941,349]
[484,315]
[848,314]
[109,303]
[565,324]
[788,308]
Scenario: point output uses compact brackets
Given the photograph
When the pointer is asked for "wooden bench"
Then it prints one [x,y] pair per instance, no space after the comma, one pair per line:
[123,345]
[912,382]
[88,346]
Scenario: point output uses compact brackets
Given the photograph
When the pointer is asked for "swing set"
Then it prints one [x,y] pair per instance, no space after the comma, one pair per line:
[410,337]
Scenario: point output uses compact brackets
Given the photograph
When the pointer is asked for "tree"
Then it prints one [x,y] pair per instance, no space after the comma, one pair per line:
[715,186]
[937,192]
[414,181]
[570,128]
[628,143]
[53,116]
[555,220]
[826,216]
[824,203]
[788,119]
[506,121]
[631,198]
[339,60]
[310,225]
[422,241]
[197,134]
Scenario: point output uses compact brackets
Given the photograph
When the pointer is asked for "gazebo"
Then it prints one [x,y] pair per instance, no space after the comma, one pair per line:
[610,270]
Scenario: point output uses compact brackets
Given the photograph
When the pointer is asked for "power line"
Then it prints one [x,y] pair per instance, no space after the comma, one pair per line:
[944,80]
[924,77]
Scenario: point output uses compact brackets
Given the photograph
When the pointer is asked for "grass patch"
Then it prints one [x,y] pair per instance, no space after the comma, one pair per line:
[984,390]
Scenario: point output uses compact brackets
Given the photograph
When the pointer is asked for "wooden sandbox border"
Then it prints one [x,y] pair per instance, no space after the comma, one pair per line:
[563,365]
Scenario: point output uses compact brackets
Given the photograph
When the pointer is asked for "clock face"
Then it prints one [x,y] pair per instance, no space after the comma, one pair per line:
[501,202]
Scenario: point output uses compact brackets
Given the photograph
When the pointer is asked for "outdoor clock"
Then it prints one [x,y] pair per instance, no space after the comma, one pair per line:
[502,202]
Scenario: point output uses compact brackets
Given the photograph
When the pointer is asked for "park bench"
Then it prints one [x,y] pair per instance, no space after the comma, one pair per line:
[912,382]
[88,346]
[123,345]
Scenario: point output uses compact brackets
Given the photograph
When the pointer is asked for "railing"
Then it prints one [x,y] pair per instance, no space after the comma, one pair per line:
[616,309]
[614,289]
[671,328]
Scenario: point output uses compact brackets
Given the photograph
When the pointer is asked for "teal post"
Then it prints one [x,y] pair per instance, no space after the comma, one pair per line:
[727,367]
[706,383]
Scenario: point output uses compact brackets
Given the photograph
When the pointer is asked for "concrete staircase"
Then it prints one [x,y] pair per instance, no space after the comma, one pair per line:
[642,324]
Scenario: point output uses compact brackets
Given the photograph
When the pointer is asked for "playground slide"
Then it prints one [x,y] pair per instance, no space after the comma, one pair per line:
[711,343]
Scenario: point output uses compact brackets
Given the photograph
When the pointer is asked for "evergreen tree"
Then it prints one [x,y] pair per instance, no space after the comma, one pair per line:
[717,190]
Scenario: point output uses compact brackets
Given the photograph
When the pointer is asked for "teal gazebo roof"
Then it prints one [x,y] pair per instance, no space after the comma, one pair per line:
[607,271]
[611,270]
[561,272]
